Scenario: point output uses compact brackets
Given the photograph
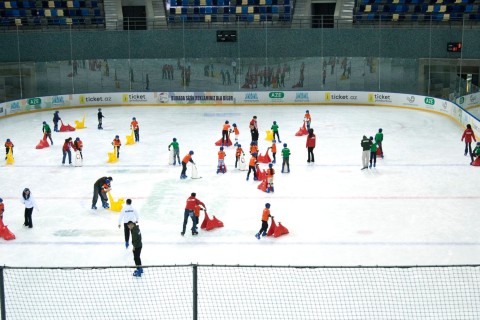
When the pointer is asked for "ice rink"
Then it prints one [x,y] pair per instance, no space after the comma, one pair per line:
[418,207]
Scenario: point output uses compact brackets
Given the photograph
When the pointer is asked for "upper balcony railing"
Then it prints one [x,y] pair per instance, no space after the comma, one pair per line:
[242,21]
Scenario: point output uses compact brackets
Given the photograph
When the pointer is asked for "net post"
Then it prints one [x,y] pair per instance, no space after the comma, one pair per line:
[195,292]
[3,314]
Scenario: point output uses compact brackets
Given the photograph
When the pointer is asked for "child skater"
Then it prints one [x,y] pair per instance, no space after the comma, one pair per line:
[176,151]
[252,167]
[136,129]
[286,158]
[236,132]
[308,119]
[116,143]
[275,131]
[238,153]
[8,147]
[186,159]
[265,216]
[221,161]
[274,151]
[270,174]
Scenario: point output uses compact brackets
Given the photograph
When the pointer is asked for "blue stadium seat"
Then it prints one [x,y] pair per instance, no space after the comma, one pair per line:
[85,12]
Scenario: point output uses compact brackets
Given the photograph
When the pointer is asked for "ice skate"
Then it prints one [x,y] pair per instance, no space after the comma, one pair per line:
[137,273]
[264,233]
[126,245]
[94,207]
[257,236]
[182,233]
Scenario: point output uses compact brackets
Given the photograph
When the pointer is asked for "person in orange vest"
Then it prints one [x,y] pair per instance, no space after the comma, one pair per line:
[116,143]
[221,161]
[274,151]
[308,119]
[196,212]
[225,131]
[104,190]
[136,129]
[270,173]
[238,152]
[237,133]
[78,146]
[8,147]
[252,167]
[253,148]
[186,159]
[265,215]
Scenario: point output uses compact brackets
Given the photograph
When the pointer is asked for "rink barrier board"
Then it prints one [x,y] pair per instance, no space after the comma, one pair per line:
[456,111]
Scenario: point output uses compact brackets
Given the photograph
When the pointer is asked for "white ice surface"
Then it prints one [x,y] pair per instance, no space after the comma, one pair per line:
[419,206]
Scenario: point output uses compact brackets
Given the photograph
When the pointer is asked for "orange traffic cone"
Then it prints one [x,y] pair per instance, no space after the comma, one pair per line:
[280,230]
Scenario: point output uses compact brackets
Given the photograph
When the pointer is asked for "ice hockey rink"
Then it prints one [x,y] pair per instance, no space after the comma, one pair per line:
[419,206]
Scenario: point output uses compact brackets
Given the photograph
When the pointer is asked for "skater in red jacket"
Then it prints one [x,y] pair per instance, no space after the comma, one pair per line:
[311,141]
[192,201]
[468,135]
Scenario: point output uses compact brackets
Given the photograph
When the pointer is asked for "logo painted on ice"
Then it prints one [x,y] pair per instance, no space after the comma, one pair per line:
[429,101]
[251,96]
[411,99]
[302,96]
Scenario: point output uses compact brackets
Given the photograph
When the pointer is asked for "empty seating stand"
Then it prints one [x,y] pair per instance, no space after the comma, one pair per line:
[228,10]
[52,13]
[417,10]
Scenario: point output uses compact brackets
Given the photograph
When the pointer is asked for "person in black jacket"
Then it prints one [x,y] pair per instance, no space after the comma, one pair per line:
[97,190]
[137,247]
[100,116]
[56,118]
[366,145]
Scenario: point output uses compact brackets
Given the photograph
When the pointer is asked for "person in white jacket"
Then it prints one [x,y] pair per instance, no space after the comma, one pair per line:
[29,202]
[128,214]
